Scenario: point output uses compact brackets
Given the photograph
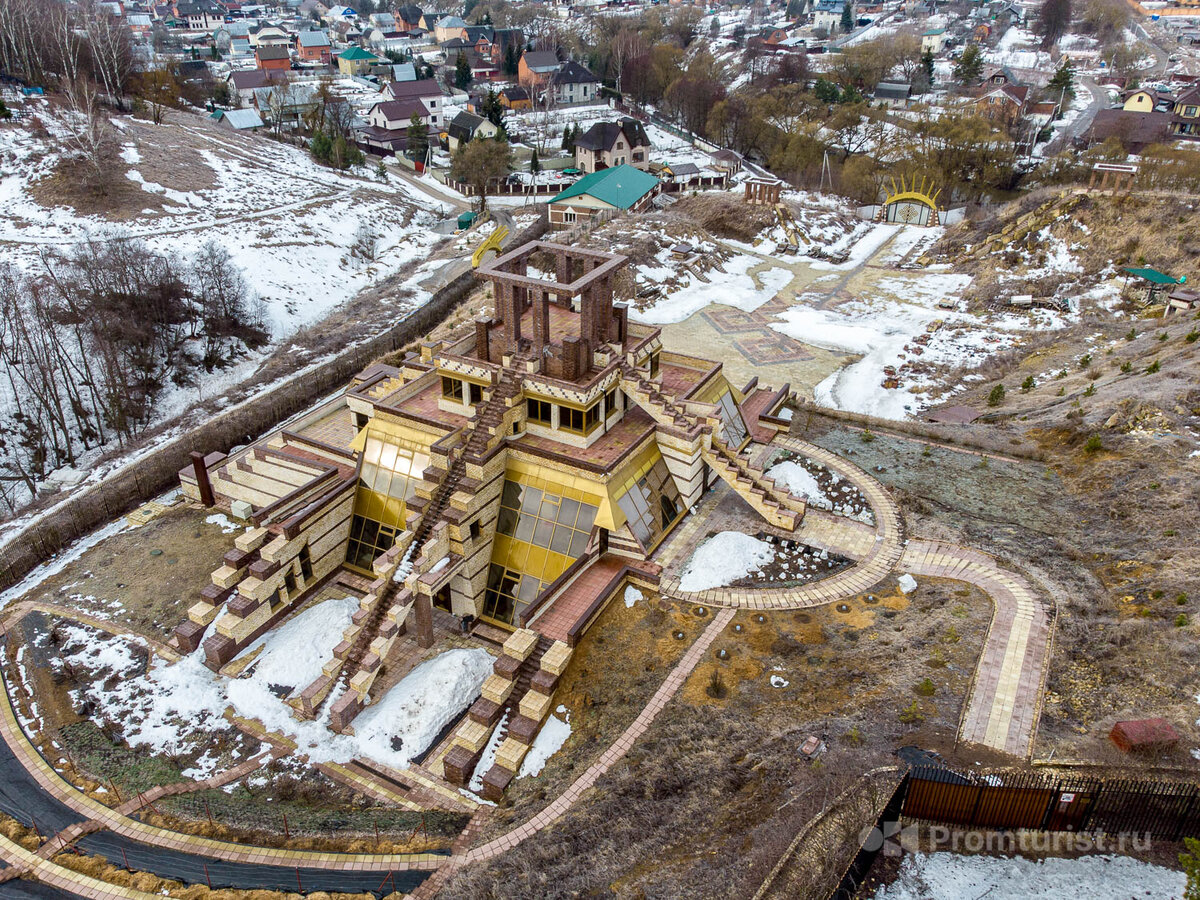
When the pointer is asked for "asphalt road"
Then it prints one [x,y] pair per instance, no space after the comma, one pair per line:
[26,801]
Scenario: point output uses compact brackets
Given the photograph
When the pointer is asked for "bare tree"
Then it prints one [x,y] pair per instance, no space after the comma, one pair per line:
[90,138]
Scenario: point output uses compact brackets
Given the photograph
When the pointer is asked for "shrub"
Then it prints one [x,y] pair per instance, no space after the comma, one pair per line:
[1153,367]
[1131,335]
[996,397]
[1091,390]
[1093,444]
[1126,367]
[925,688]
[1085,360]
[1192,336]
[716,685]
[1028,384]
[1062,373]
[1163,336]
[1181,620]
[1181,599]
[951,636]
[867,436]
[911,714]
[1158,594]
[854,737]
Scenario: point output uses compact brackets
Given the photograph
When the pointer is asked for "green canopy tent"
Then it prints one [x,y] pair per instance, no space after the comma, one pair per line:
[1156,282]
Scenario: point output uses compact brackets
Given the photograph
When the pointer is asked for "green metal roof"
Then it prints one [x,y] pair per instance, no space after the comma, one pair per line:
[1154,276]
[620,186]
[356,53]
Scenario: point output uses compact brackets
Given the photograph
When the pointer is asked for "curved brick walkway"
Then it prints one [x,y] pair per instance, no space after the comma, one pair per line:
[1006,693]
[115,821]
[876,549]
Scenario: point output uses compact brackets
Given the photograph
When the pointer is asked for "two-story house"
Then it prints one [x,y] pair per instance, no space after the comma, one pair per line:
[425,90]
[356,61]
[573,83]
[608,144]
[536,68]
[1185,114]
[314,47]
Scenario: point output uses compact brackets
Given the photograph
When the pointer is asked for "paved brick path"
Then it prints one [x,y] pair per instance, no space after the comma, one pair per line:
[615,752]
[1006,695]
[876,549]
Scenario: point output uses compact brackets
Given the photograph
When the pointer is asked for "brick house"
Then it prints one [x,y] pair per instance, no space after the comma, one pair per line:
[273,59]
[314,47]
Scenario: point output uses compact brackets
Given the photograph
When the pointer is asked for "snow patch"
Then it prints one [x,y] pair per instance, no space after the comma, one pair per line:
[724,558]
[549,739]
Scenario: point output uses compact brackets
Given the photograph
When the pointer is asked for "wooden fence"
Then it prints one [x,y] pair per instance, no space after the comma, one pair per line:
[1165,810]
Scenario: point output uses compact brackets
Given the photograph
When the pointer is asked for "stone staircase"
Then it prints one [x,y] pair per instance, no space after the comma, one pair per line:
[778,507]
[519,693]
[376,628]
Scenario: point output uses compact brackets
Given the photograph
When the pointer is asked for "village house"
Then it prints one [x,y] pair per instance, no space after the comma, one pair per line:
[933,41]
[450,27]
[515,98]
[269,36]
[200,15]
[573,83]
[427,91]
[619,189]
[1004,105]
[314,47]
[608,144]
[408,18]
[465,127]
[827,15]
[356,61]
[536,68]
[272,58]
[1185,120]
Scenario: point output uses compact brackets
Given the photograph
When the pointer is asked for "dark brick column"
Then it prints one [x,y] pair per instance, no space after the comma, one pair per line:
[541,321]
[423,612]
[202,482]
[482,323]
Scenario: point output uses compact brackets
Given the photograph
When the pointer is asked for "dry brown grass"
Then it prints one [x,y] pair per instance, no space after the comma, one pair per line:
[725,215]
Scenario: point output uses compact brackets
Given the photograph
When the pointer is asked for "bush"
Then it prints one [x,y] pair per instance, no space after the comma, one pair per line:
[1131,335]
[1163,336]
[1181,620]
[996,396]
[854,737]
[925,688]
[1085,360]
[1126,367]
[911,714]
[1181,600]
[1091,390]
[716,685]
[1093,444]
[867,436]
[1028,384]
[1192,336]
[1153,367]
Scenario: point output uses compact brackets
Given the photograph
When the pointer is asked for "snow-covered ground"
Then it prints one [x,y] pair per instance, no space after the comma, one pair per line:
[289,224]
[949,876]
[733,287]
[550,738]
[175,706]
[723,559]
